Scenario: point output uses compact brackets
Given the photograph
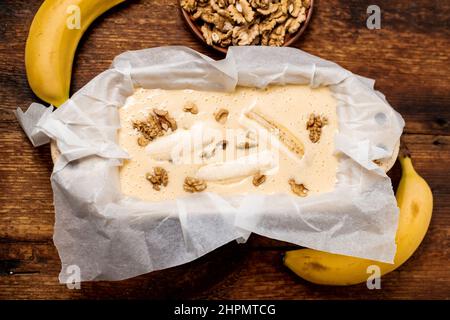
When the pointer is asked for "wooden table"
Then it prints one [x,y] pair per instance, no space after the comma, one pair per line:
[409,58]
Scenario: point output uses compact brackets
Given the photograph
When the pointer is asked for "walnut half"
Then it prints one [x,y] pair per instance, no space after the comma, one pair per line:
[221,115]
[298,189]
[149,129]
[190,107]
[158,178]
[165,119]
[156,125]
[192,185]
[315,125]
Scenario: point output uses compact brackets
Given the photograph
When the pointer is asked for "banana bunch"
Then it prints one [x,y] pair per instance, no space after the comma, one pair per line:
[415,200]
[52,41]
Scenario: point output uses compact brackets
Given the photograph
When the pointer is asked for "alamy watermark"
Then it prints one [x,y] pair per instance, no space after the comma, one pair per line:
[374,280]
[73,280]
[201,145]
[73,20]
[374,19]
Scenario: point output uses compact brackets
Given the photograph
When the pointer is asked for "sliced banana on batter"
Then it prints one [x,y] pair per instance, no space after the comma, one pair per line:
[162,148]
[182,146]
[289,140]
[239,168]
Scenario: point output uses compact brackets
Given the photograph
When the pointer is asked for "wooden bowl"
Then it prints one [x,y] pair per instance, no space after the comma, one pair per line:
[290,39]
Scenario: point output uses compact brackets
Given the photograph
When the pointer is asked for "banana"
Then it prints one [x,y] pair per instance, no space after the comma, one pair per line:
[52,42]
[178,146]
[167,148]
[240,168]
[285,136]
[415,201]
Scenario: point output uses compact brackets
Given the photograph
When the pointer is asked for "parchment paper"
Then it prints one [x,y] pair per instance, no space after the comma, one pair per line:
[110,236]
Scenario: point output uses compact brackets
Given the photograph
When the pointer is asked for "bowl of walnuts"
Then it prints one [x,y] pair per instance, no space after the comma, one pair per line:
[224,23]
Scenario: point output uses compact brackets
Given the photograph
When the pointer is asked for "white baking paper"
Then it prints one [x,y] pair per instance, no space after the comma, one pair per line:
[110,236]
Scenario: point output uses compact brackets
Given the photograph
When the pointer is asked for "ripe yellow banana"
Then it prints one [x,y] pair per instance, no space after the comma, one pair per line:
[415,201]
[52,41]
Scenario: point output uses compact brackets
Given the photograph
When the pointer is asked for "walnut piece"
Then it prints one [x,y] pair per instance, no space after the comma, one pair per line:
[189,5]
[265,7]
[267,25]
[258,179]
[220,7]
[247,22]
[158,178]
[192,185]
[207,34]
[281,14]
[165,119]
[315,125]
[221,115]
[276,38]
[236,14]
[149,129]
[160,112]
[142,141]
[216,35]
[243,36]
[190,107]
[293,24]
[294,7]
[156,125]
[247,10]
[298,189]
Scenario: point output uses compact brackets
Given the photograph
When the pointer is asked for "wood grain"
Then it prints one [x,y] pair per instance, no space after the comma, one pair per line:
[409,59]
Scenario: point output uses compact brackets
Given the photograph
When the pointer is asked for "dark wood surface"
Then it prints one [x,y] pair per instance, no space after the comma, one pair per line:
[409,58]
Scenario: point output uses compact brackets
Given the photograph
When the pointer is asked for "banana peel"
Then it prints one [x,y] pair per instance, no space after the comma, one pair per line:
[415,200]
